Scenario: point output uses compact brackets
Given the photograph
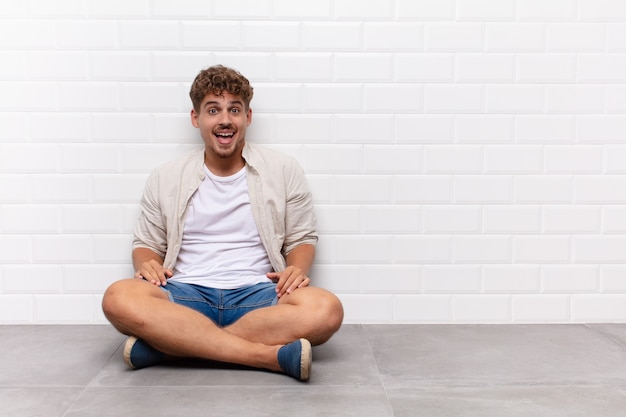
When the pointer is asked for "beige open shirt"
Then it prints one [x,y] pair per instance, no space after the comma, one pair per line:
[280,199]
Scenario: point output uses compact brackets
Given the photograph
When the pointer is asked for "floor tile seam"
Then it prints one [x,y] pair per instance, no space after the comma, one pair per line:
[608,336]
[42,386]
[361,328]
[95,378]
[234,386]
[438,384]
[378,373]
[71,404]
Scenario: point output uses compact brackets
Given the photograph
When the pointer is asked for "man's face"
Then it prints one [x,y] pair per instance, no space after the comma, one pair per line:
[222,121]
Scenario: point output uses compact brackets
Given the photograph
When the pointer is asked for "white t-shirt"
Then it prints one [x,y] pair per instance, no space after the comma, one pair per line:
[221,246]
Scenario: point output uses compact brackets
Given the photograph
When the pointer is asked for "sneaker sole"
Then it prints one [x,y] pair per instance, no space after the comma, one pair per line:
[306,359]
[128,346]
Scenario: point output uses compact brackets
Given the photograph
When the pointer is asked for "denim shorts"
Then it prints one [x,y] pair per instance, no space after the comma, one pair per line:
[224,307]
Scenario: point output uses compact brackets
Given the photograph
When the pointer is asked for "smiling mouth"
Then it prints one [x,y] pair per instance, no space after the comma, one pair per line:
[224,138]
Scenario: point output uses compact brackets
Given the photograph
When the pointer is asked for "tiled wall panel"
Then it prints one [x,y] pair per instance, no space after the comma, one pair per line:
[467,157]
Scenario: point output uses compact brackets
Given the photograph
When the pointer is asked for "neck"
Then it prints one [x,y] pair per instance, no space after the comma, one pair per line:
[224,167]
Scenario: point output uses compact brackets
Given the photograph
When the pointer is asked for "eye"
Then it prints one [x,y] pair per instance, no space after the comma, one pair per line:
[213,111]
[235,110]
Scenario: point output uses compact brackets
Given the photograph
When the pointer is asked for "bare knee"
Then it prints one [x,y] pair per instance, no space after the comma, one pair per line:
[121,304]
[329,316]
[114,303]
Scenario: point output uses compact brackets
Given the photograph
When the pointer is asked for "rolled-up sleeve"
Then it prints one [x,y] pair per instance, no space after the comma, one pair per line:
[151,230]
[300,220]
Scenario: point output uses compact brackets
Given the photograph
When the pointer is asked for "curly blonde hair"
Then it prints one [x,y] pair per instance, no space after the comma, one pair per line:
[217,80]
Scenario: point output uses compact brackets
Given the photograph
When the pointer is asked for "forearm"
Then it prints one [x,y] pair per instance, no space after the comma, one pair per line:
[143,255]
[302,257]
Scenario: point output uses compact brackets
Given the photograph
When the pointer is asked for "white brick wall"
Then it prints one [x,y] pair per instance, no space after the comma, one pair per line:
[467,157]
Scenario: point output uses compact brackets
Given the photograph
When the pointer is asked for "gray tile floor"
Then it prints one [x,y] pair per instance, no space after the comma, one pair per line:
[365,370]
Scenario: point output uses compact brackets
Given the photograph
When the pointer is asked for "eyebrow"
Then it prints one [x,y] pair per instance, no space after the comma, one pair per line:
[230,103]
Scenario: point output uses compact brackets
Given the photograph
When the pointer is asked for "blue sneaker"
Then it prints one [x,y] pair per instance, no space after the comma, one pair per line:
[138,354]
[295,359]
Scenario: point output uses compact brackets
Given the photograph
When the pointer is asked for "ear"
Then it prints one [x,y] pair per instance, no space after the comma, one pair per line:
[194,118]
[249,117]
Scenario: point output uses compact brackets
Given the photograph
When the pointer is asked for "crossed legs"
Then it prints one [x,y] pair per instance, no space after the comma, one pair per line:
[138,308]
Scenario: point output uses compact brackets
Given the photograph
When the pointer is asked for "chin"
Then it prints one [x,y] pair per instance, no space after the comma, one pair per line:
[224,153]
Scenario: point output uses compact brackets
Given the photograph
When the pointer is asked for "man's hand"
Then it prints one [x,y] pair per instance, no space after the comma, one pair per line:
[289,280]
[153,272]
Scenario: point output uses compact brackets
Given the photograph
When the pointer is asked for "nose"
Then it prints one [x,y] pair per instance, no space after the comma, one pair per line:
[224,118]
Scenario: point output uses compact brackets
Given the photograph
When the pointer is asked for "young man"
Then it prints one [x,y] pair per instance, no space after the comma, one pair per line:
[222,250]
